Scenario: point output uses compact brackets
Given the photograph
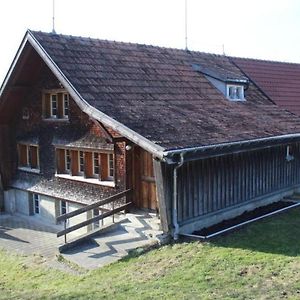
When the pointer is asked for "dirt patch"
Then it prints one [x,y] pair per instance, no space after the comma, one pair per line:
[246,216]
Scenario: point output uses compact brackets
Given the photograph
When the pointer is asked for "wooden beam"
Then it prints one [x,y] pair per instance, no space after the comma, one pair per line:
[94,219]
[92,206]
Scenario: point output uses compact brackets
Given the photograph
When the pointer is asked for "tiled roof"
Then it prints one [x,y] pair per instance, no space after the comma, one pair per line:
[157,93]
[279,80]
[61,188]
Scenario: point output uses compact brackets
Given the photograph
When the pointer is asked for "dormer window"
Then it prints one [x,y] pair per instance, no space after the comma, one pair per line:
[56,105]
[235,92]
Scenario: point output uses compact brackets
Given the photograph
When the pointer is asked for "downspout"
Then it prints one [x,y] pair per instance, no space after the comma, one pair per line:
[175,198]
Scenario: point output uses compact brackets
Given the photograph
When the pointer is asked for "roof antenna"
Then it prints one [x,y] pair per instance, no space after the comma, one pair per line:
[186,27]
[53,16]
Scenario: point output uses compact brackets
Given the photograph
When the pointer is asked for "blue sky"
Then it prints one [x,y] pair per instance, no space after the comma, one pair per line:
[259,28]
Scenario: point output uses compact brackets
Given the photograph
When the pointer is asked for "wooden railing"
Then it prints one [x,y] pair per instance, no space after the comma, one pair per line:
[112,199]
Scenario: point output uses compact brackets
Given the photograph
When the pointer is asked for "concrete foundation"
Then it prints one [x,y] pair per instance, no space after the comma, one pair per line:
[23,202]
[232,212]
[10,201]
[18,201]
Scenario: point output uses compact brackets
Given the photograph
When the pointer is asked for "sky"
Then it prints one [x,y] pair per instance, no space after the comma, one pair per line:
[266,29]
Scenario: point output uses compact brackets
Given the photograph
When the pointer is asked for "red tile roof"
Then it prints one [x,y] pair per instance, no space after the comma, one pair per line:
[280,81]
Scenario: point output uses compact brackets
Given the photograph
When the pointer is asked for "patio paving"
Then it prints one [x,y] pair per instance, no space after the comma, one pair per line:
[28,235]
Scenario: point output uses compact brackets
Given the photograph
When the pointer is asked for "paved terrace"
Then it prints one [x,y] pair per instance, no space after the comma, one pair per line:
[29,235]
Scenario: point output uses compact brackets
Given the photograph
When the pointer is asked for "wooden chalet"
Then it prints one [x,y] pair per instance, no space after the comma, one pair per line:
[183,133]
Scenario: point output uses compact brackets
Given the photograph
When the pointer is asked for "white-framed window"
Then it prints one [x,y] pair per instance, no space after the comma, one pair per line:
[235,92]
[81,162]
[96,164]
[36,203]
[67,160]
[28,156]
[66,105]
[63,207]
[56,105]
[53,106]
[111,166]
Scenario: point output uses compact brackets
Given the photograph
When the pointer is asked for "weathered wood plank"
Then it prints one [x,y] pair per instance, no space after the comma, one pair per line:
[163,201]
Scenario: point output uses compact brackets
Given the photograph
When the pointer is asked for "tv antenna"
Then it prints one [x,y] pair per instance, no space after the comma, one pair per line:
[53,16]
[186,26]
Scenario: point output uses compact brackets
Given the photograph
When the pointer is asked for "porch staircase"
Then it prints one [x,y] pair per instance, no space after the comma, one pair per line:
[134,231]
[120,232]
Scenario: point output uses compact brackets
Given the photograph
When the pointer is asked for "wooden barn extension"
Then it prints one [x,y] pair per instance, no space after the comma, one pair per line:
[187,133]
[212,189]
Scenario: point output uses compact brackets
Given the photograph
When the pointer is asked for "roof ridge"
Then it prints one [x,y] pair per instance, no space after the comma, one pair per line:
[264,60]
[128,43]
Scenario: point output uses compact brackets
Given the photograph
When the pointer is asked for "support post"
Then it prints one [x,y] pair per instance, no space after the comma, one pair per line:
[163,196]
[65,227]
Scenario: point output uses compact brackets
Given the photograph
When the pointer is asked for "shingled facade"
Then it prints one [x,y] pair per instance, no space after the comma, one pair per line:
[188,132]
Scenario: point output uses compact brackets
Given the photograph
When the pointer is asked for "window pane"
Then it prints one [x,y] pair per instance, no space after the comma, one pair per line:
[96,163]
[36,203]
[54,105]
[66,105]
[68,160]
[111,165]
[63,207]
[81,161]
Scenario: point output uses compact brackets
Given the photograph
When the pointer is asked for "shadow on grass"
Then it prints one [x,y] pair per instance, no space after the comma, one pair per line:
[277,235]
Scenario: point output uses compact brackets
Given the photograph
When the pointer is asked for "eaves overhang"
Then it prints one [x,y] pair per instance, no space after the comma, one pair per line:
[123,130]
[202,152]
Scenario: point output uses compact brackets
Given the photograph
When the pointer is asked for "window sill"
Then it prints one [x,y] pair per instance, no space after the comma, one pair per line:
[86,180]
[56,119]
[237,100]
[26,169]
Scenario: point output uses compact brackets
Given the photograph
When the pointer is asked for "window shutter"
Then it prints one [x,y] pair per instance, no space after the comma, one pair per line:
[60,157]
[104,166]
[74,160]
[23,156]
[88,164]
[34,157]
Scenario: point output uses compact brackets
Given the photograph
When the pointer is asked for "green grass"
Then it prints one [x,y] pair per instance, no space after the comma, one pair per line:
[261,261]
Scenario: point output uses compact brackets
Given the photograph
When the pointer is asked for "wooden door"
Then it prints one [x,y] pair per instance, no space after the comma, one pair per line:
[144,181]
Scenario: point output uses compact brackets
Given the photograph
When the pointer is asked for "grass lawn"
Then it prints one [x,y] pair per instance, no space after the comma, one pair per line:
[261,261]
